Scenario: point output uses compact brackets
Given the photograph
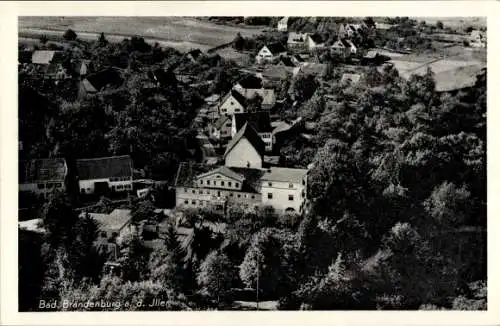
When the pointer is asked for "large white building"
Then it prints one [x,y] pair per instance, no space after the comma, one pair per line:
[242,180]
[105,174]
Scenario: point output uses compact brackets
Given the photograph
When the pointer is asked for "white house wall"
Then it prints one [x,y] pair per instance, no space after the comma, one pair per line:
[243,153]
[89,185]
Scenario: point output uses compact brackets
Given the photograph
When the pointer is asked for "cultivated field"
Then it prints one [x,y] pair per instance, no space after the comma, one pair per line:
[180,32]
[455,22]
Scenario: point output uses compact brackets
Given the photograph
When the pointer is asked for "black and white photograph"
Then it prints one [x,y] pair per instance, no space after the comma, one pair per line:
[251,163]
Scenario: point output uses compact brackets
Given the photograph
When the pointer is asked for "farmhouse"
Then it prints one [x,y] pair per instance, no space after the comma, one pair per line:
[270,52]
[283,24]
[42,176]
[105,174]
[260,121]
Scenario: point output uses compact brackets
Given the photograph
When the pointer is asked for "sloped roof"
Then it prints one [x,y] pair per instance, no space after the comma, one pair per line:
[260,121]
[44,57]
[224,171]
[251,135]
[287,61]
[316,38]
[276,48]
[51,169]
[284,174]
[114,221]
[353,78]
[250,82]
[237,96]
[96,82]
[284,20]
[104,167]
[212,98]
[341,42]
[187,174]
[221,121]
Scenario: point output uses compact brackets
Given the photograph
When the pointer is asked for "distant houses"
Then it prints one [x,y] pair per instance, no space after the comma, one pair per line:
[270,52]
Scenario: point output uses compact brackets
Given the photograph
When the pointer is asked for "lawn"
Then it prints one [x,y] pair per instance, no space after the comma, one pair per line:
[176,29]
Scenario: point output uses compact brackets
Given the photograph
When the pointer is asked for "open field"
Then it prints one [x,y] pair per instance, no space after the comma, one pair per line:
[455,22]
[180,32]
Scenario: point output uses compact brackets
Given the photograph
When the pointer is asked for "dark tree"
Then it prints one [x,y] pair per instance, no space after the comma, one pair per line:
[70,35]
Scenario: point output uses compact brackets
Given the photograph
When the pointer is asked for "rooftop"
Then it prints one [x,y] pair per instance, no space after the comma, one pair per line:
[351,78]
[114,221]
[224,170]
[104,167]
[260,121]
[50,169]
[251,135]
[284,174]
[251,82]
[34,225]
[44,57]
[187,173]
[276,48]
[98,81]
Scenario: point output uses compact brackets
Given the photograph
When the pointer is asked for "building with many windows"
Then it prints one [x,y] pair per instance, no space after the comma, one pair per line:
[242,180]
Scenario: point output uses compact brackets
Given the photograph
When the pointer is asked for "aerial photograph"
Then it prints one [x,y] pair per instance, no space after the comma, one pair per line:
[251,163]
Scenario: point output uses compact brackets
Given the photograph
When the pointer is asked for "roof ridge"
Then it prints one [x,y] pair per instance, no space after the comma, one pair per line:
[102,158]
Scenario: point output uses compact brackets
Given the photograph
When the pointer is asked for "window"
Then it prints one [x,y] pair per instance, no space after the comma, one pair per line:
[218,177]
[41,186]
[304,182]
[186,202]
[218,193]
[58,185]
[253,196]
[230,194]
[119,187]
[229,123]
[88,189]
[49,185]
[208,182]
[193,191]
[185,190]
[229,184]
[270,184]
[222,183]
[232,103]
[290,185]
[236,110]
[239,195]
[237,185]
[193,202]
[201,182]
[269,195]
[224,110]
[200,192]
[215,183]
[290,197]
